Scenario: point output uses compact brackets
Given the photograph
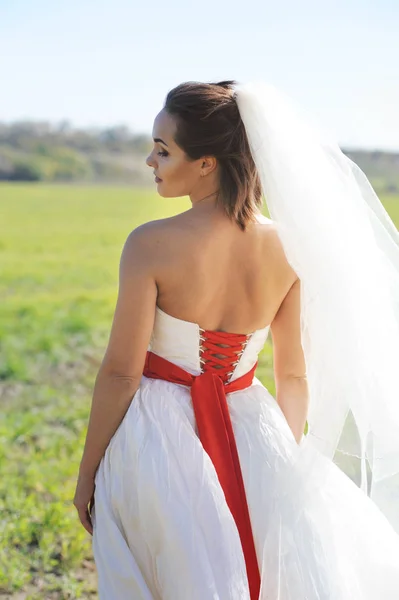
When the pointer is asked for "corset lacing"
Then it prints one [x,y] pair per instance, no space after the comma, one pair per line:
[216,343]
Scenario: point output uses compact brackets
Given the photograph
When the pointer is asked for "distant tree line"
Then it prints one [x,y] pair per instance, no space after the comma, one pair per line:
[42,151]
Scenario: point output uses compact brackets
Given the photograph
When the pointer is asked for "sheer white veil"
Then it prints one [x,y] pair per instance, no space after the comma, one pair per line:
[344,247]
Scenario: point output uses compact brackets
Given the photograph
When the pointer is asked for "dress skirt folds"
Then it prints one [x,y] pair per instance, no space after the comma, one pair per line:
[203,492]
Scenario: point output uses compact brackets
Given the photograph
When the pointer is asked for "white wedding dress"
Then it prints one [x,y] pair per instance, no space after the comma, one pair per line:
[163,530]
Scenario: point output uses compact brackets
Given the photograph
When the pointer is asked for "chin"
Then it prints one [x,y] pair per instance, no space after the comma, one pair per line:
[165,194]
[170,193]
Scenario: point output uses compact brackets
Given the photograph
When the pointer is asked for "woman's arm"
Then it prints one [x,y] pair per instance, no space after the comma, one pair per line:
[292,392]
[120,372]
[292,395]
[111,399]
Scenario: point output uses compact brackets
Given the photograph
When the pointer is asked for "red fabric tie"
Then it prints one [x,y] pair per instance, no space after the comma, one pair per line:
[208,394]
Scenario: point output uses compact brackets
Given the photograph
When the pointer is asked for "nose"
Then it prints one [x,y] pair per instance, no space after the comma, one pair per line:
[149,160]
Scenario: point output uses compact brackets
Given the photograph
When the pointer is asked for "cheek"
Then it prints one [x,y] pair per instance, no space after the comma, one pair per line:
[175,181]
[174,172]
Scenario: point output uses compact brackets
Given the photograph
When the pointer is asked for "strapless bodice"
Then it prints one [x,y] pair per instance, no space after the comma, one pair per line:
[179,342]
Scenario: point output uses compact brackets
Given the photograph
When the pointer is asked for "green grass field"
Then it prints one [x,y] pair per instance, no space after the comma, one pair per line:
[60,248]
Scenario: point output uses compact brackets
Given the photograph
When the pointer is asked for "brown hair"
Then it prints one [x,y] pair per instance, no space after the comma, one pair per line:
[208,122]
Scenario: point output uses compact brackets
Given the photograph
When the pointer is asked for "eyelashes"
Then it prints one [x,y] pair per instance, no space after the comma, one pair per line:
[163,153]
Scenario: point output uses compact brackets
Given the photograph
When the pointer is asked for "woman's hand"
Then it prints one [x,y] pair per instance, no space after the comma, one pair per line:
[84,500]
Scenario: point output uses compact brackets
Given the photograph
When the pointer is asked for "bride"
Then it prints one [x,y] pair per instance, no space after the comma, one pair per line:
[195,482]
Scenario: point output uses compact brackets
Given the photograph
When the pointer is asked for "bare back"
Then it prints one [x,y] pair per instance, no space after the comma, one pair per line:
[212,273]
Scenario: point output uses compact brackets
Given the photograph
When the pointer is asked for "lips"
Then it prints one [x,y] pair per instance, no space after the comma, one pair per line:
[157,179]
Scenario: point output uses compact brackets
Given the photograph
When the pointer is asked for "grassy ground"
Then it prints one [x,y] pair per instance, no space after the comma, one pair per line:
[60,250]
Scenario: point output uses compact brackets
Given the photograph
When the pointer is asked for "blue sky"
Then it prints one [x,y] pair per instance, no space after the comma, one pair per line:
[97,62]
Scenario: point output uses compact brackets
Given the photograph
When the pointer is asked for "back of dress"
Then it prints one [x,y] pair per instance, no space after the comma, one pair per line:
[189,346]
[160,486]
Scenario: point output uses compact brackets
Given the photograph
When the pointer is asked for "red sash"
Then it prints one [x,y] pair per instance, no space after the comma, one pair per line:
[208,393]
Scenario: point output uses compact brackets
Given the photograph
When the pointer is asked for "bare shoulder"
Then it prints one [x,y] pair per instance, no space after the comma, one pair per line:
[148,241]
[274,250]
[271,238]
[151,229]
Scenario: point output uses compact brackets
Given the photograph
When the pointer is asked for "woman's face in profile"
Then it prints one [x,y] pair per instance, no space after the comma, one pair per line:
[179,176]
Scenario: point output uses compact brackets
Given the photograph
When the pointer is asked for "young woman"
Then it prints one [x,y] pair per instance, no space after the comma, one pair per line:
[200,484]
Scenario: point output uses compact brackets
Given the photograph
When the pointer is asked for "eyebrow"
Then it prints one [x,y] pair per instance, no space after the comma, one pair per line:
[159,140]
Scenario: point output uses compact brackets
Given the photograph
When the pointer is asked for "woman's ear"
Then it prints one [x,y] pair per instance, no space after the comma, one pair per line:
[208,164]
